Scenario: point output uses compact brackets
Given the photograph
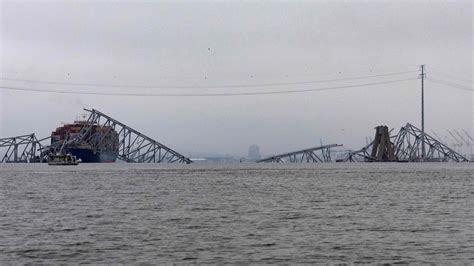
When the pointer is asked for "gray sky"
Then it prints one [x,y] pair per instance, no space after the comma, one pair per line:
[212,44]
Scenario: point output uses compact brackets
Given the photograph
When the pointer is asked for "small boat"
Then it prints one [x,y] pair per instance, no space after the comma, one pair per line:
[63,159]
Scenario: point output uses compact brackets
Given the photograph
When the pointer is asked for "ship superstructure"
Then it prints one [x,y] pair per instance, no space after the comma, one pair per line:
[100,144]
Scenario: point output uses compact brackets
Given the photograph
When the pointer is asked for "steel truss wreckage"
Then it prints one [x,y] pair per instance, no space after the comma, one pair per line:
[21,149]
[361,155]
[407,147]
[304,156]
[379,150]
[134,147]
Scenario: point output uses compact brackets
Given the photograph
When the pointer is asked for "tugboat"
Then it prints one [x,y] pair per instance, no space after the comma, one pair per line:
[63,159]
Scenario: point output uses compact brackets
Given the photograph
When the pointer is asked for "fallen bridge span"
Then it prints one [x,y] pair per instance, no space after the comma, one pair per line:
[98,133]
[312,155]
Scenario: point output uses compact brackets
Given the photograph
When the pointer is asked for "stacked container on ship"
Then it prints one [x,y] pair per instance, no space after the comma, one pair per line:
[101,145]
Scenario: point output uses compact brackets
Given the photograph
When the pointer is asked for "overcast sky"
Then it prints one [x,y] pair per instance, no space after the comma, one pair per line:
[215,44]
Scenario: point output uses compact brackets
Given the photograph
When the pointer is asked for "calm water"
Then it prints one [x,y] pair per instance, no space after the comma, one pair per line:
[243,213]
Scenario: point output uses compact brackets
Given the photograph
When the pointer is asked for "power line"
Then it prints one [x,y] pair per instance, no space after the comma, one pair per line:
[205,94]
[454,85]
[201,86]
[451,77]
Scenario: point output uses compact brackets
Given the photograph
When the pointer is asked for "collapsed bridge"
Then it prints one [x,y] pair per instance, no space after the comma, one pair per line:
[406,146]
[99,134]
[319,154]
[409,144]
[21,149]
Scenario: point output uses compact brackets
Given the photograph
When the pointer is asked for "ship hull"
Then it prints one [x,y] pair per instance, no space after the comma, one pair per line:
[99,143]
[89,156]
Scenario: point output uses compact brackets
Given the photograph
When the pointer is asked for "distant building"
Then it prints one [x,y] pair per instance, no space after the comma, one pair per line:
[254,152]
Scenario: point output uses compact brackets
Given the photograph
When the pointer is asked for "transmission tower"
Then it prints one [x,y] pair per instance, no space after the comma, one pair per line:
[422,76]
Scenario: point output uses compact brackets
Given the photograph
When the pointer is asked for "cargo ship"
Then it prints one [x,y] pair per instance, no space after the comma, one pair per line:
[101,145]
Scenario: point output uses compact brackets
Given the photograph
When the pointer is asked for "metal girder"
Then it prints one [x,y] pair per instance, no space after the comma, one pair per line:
[408,144]
[362,155]
[21,149]
[135,147]
[313,155]
[380,149]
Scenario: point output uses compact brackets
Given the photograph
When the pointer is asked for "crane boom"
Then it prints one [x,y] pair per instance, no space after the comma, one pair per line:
[436,135]
[454,137]
[468,135]
[462,137]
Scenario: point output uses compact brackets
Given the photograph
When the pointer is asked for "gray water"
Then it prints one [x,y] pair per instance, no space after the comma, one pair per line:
[242,213]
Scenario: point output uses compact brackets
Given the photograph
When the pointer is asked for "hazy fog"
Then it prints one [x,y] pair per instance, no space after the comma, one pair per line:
[208,44]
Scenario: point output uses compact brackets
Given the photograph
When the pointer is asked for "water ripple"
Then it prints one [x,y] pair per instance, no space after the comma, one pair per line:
[239,214]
